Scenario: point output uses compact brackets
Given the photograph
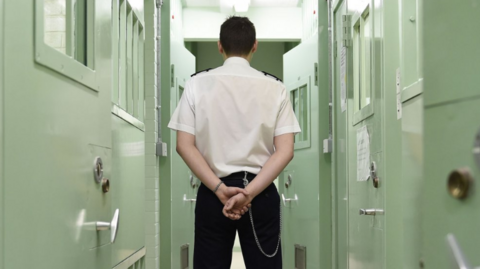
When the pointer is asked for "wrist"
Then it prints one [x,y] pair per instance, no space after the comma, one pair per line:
[218,186]
[250,193]
[220,189]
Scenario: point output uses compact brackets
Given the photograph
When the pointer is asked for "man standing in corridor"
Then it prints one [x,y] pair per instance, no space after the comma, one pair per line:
[235,130]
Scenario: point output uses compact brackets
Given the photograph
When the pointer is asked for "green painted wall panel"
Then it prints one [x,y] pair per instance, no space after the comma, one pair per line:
[461,50]
[394,57]
[339,156]
[128,187]
[412,182]
[1,133]
[165,163]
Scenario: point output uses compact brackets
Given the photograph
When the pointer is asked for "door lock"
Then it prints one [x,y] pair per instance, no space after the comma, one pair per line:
[105,185]
[98,169]
[193,182]
[373,174]
[459,183]
[289,181]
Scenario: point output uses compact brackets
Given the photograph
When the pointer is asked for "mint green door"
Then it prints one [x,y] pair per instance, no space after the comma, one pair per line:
[178,186]
[128,132]
[184,183]
[339,155]
[56,113]
[299,182]
[358,138]
[452,141]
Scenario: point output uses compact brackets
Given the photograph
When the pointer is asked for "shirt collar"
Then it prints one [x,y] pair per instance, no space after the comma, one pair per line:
[236,60]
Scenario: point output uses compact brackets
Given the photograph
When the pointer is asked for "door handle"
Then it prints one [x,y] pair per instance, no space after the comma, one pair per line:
[112,226]
[289,200]
[188,200]
[371,212]
[458,254]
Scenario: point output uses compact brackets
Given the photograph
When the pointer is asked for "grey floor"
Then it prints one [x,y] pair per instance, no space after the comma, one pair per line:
[237,261]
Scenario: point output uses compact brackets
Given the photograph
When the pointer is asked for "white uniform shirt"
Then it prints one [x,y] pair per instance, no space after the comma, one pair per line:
[235,112]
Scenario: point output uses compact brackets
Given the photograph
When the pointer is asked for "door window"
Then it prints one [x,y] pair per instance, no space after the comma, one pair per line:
[362,66]
[64,38]
[300,98]
[128,83]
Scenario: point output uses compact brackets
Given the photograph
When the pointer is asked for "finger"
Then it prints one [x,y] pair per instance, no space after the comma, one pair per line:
[233,216]
[229,205]
[225,213]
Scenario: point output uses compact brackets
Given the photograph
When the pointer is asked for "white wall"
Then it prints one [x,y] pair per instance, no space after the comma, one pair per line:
[55,24]
[271,24]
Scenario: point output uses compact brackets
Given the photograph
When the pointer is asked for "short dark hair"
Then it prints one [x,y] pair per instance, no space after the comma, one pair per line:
[237,36]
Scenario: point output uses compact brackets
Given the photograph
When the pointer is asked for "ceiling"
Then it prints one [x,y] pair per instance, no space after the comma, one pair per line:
[253,3]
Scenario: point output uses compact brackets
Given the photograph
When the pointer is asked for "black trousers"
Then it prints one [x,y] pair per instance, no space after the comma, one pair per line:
[215,233]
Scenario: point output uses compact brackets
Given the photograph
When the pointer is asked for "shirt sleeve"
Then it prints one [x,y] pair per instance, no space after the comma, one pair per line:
[286,120]
[183,118]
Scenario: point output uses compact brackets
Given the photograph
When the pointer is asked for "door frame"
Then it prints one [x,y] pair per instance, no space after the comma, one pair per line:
[2,82]
[339,249]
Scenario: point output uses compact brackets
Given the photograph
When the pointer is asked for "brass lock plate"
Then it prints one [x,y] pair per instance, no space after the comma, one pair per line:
[459,183]
[373,174]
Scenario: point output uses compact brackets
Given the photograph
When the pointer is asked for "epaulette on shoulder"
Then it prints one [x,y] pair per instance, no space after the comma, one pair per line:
[272,76]
[199,72]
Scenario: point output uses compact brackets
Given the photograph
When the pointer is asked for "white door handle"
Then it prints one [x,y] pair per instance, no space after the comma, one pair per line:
[458,254]
[112,226]
[289,200]
[188,200]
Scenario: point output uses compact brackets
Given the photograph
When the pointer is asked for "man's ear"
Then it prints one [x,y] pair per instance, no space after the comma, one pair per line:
[255,46]
[220,48]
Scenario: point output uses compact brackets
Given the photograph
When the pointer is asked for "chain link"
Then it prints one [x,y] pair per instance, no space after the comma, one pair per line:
[245,183]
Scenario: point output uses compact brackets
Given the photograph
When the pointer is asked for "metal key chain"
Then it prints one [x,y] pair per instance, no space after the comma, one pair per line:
[245,183]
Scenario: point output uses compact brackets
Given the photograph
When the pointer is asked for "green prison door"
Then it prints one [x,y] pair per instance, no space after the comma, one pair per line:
[184,184]
[358,139]
[451,216]
[56,128]
[299,182]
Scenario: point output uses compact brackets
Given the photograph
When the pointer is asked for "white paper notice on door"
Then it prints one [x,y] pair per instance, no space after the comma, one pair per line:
[363,154]
[343,79]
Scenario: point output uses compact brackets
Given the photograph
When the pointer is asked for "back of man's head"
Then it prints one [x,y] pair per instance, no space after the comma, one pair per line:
[237,36]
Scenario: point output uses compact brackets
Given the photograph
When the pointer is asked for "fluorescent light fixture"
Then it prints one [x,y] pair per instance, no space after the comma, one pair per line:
[242,5]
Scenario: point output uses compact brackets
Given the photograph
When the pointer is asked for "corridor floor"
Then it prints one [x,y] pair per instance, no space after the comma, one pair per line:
[237,261]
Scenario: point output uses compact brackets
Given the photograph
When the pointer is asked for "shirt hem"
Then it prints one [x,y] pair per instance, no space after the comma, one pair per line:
[180,127]
[287,130]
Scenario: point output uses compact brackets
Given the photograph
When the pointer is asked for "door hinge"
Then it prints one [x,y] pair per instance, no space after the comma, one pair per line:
[347,30]
[172,75]
[316,74]
[161,149]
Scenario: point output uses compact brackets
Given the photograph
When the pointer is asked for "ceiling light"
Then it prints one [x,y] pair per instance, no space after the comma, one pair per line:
[242,5]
